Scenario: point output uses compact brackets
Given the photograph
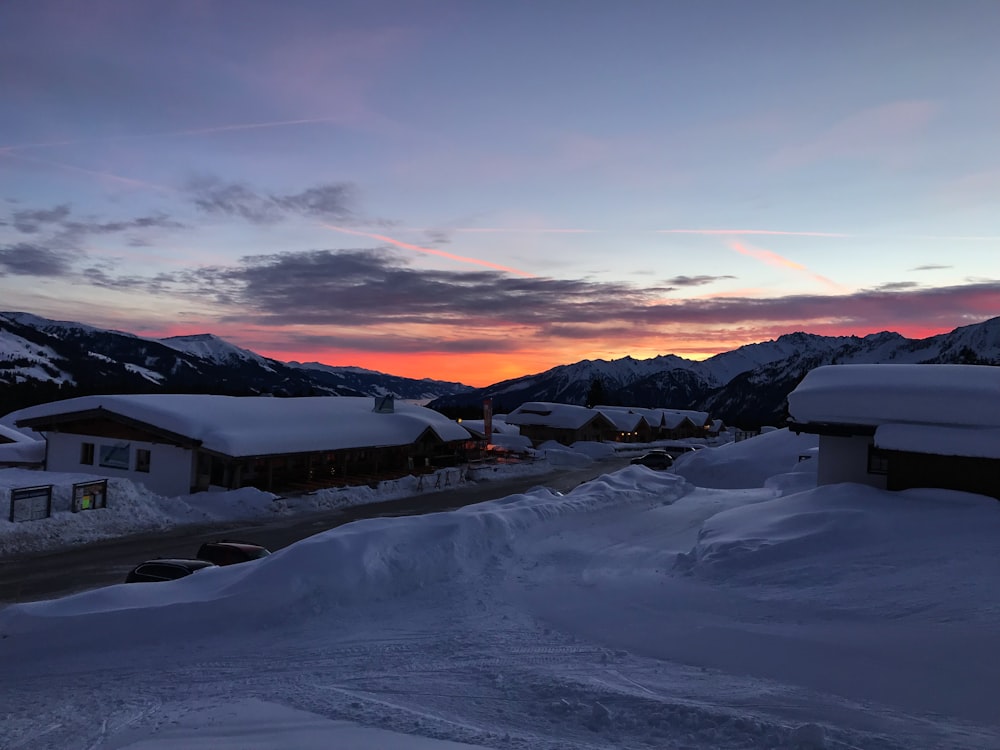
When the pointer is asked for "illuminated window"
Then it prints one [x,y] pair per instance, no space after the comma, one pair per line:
[142,457]
[87,454]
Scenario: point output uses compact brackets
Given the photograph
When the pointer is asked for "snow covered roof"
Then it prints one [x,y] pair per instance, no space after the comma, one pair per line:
[698,418]
[256,426]
[877,394]
[624,420]
[22,452]
[560,416]
[975,442]
[10,435]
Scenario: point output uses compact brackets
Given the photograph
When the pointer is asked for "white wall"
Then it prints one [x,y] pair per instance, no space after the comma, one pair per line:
[845,459]
[170,467]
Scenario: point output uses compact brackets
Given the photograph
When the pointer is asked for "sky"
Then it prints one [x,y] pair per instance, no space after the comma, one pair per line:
[477,191]
[731,605]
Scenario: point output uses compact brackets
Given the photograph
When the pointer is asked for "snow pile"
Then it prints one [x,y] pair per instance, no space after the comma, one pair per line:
[558,454]
[365,561]
[852,547]
[131,509]
[635,611]
[749,463]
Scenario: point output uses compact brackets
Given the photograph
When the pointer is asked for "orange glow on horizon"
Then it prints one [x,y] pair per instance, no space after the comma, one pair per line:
[480,369]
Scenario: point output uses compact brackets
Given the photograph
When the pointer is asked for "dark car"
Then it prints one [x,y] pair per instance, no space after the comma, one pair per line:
[165,569]
[230,552]
[659,460]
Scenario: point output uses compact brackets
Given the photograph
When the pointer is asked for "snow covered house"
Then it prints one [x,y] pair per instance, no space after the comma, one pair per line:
[664,424]
[564,423]
[902,426]
[20,450]
[176,444]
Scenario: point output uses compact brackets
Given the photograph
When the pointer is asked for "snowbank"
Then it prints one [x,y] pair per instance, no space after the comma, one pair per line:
[749,463]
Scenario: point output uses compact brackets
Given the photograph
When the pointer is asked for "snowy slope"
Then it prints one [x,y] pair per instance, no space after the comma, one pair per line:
[637,611]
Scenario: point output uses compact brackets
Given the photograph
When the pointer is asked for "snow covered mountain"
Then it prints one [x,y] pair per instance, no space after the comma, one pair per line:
[42,360]
[746,386]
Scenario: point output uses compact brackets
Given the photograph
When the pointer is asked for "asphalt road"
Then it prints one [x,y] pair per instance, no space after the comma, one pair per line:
[46,576]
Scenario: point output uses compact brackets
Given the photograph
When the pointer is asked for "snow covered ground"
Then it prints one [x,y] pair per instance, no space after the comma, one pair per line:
[638,611]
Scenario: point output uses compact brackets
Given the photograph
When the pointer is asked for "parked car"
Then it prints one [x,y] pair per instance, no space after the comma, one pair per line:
[165,569]
[659,460]
[230,552]
[676,449]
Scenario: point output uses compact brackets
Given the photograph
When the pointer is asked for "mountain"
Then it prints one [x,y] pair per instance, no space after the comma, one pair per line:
[747,386]
[43,360]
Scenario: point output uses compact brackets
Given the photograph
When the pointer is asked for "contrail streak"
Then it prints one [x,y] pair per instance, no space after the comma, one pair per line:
[770,232]
[773,259]
[428,250]
[172,133]
[93,173]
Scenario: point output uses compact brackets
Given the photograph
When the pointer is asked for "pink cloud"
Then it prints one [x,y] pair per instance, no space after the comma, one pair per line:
[773,259]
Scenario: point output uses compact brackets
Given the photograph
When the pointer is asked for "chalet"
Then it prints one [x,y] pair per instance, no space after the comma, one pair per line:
[176,444]
[902,426]
[564,423]
[635,425]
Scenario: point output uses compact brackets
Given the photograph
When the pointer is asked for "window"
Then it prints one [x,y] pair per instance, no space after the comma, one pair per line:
[878,461]
[87,454]
[142,458]
[115,456]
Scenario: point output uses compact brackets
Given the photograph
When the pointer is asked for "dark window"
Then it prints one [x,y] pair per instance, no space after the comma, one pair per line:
[115,456]
[87,454]
[878,461]
[142,457]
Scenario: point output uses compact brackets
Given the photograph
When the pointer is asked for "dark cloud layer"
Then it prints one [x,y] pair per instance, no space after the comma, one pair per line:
[365,288]
[31,221]
[330,201]
[61,231]
[25,259]
[696,280]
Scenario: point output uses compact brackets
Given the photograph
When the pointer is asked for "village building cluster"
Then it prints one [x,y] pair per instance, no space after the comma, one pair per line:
[890,426]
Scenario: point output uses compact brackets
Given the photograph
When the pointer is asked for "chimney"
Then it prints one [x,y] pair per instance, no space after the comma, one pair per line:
[384,405]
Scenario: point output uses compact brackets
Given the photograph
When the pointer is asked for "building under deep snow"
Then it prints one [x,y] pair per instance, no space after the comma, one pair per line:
[903,426]
[176,444]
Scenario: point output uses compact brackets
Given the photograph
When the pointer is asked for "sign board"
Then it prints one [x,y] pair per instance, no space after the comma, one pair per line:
[30,503]
[90,495]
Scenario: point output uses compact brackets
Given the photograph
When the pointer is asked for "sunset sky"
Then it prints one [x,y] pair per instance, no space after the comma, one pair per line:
[474,191]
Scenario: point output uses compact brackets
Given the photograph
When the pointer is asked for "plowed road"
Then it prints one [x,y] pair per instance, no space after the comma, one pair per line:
[45,576]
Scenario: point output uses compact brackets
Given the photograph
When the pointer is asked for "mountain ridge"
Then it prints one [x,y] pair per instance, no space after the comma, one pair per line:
[43,360]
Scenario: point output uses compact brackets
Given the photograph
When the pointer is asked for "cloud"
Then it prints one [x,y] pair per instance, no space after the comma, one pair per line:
[355,291]
[696,280]
[773,259]
[32,221]
[428,250]
[66,233]
[930,267]
[330,201]
[24,259]
[897,285]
